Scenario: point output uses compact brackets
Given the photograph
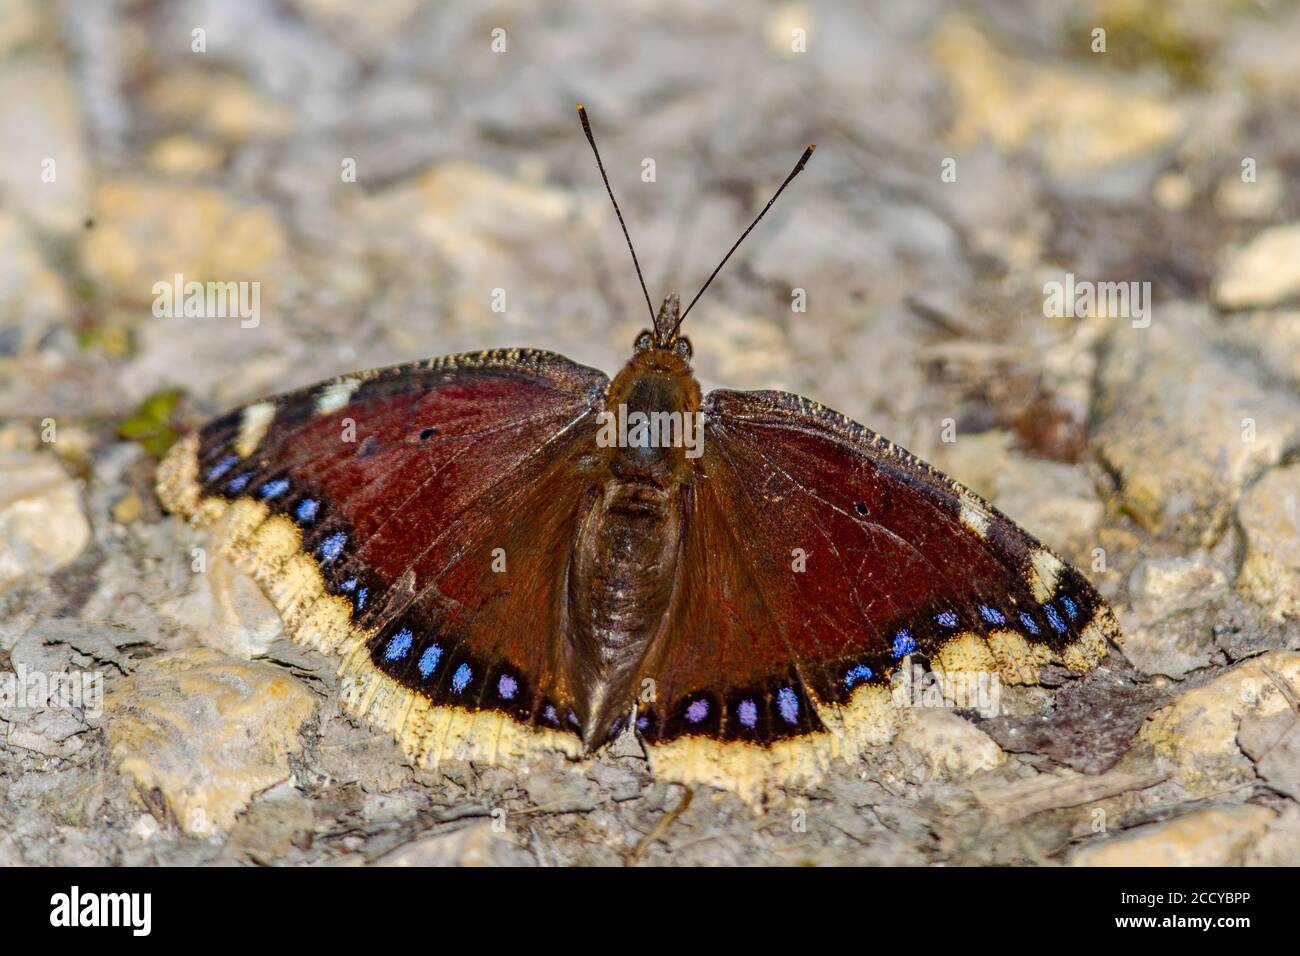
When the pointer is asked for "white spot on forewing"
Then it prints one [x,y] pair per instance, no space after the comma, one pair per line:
[1044,570]
[252,427]
[974,517]
[335,395]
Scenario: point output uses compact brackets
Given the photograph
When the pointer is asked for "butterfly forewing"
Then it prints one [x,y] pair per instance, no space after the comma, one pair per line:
[425,510]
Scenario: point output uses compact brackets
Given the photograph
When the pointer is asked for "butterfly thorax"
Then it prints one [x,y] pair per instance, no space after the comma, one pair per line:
[626,557]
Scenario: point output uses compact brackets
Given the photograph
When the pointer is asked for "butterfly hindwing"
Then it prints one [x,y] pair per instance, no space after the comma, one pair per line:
[414,519]
[817,557]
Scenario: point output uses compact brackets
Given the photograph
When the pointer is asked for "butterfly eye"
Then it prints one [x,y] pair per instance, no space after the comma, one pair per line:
[644,341]
[683,348]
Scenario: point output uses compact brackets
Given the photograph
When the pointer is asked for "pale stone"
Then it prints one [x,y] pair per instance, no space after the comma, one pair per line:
[52,732]
[476,845]
[476,221]
[745,347]
[1198,732]
[1160,637]
[1271,337]
[1238,199]
[206,731]
[1264,272]
[147,233]
[31,293]
[145,828]
[40,121]
[1173,191]
[226,610]
[42,526]
[128,508]
[1082,123]
[1269,515]
[1258,55]
[224,105]
[179,155]
[1274,744]
[1218,836]
[1280,844]
[1163,586]
[952,748]
[1186,427]
[20,24]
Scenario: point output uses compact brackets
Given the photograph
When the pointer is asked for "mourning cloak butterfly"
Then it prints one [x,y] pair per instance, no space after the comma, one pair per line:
[509,560]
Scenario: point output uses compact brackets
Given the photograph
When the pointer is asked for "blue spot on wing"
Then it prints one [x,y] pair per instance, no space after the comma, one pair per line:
[507,687]
[221,467]
[992,615]
[332,546]
[857,674]
[460,680]
[904,643]
[787,704]
[1030,624]
[399,645]
[747,711]
[947,619]
[429,659]
[1054,619]
[239,482]
[273,488]
[1071,609]
[306,510]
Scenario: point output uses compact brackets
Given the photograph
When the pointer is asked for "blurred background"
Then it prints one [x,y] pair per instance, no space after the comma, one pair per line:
[211,139]
[407,179]
[404,180]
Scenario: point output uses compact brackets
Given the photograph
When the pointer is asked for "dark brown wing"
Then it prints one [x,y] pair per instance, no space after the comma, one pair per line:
[417,520]
[817,556]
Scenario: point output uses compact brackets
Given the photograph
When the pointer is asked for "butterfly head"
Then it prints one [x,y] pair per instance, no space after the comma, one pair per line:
[663,337]
[657,379]
[661,356]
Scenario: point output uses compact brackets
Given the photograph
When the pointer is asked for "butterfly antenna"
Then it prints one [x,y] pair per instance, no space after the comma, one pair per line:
[798,168]
[586,128]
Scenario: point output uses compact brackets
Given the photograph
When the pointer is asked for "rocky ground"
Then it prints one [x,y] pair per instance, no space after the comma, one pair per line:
[965,159]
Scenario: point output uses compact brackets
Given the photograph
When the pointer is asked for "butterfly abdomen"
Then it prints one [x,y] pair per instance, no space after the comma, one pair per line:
[620,585]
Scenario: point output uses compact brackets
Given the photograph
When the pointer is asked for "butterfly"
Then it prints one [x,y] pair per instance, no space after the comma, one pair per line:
[514,554]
